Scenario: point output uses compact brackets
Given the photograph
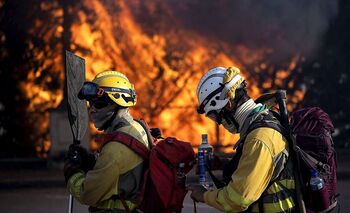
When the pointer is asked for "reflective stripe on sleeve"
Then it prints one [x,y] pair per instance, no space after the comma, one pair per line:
[74,185]
[278,198]
[115,204]
[232,196]
[275,188]
[281,206]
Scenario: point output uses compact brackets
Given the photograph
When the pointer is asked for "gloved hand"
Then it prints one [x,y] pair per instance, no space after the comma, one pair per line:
[78,159]
[156,133]
[197,192]
[87,158]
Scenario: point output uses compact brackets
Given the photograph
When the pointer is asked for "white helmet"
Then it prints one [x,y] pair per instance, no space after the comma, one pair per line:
[212,90]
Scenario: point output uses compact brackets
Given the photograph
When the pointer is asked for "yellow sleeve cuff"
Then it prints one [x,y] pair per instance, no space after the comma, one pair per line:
[74,184]
[210,198]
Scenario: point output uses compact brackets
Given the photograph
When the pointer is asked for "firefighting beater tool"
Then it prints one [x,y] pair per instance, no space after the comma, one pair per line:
[281,97]
[77,109]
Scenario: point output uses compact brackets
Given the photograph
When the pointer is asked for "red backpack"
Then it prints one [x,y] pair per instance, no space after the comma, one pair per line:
[160,190]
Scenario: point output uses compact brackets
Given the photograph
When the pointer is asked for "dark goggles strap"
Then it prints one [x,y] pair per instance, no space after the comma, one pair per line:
[200,109]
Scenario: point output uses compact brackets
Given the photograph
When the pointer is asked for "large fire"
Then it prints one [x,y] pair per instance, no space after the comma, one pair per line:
[162,59]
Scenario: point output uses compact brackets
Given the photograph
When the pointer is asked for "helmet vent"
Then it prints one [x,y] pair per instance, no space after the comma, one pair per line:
[217,97]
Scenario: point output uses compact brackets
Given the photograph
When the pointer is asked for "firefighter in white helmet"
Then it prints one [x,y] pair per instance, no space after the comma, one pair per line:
[258,178]
[118,171]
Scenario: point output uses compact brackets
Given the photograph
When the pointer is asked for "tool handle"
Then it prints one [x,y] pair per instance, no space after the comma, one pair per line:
[71,198]
[281,97]
[76,142]
[70,206]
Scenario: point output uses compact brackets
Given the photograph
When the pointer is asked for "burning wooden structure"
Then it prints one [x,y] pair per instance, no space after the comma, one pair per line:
[163,56]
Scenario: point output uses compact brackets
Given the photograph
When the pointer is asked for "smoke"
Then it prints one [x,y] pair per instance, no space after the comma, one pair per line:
[288,27]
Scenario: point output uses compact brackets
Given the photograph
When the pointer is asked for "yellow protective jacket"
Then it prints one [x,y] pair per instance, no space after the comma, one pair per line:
[118,170]
[253,176]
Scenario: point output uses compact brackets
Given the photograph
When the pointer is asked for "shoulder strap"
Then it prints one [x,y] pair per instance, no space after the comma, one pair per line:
[128,140]
[264,120]
[146,128]
[271,121]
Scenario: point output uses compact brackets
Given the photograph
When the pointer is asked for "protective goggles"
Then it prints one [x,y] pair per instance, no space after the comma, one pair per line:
[91,91]
[99,103]
[216,116]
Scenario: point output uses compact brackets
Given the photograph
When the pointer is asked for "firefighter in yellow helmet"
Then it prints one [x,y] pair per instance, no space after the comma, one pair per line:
[258,178]
[117,171]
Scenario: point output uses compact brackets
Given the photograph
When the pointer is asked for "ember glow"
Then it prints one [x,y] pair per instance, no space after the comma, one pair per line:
[163,59]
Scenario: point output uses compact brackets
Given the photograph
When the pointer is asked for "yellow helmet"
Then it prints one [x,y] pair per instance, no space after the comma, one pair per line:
[117,86]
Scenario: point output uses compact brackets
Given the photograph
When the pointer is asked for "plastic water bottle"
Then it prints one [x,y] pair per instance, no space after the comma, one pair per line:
[201,167]
[205,155]
[316,182]
[180,175]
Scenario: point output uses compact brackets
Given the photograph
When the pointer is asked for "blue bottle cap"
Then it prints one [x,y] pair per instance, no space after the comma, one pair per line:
[314,173]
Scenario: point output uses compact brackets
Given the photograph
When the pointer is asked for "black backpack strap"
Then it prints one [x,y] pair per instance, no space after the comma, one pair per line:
[270,121]
[263,120]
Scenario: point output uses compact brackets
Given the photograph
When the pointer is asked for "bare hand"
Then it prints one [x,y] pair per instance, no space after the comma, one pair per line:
[197,192]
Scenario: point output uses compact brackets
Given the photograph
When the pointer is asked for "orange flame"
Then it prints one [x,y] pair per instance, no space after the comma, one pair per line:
[164,65]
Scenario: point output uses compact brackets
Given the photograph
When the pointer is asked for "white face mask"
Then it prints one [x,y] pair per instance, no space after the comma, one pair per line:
[100,116]
[229,127]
